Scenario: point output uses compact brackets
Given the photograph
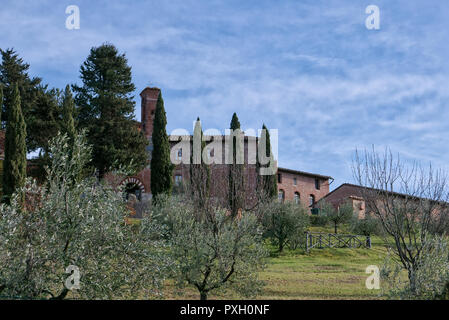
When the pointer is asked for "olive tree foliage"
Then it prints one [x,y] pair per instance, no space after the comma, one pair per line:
[410,201]
[337,216]
[213,252]
[367,226]
[285,223]
[71,221]
[431,278]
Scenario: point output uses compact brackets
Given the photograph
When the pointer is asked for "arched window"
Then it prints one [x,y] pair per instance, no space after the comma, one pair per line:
[297,198]
[311,200]
[281,195]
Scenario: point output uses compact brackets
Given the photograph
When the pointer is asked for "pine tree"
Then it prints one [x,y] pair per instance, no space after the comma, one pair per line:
[236,181]
[68,108]
[199,172]
[105,108]
[37,103]
[161,166]
[15,148]
[266,184]
[1,104]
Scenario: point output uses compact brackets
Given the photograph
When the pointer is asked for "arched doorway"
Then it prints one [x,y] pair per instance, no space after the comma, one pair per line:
[133,186]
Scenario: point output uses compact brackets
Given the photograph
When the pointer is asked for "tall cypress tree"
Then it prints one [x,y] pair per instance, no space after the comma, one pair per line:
[199,172]
[15,148]
[68,108]
[236,181]
[267,185]
[105,107]
[161,166]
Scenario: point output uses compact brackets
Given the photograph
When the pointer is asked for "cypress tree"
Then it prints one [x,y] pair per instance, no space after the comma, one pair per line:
[105,107]
[267,185]
[236,182]
[161,166]
[199,173]
[68,108]
[15,148]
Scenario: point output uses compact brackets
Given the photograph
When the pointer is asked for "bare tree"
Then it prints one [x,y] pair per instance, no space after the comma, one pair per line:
[410,201]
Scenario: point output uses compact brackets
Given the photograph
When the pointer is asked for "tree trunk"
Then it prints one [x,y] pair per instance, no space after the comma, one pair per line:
[281,246]
[203,295]
[335,228]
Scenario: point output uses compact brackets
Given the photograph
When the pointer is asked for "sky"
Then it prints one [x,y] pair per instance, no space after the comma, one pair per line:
[310,69]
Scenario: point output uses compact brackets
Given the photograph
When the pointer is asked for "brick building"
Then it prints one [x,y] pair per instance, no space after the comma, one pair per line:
[293,185]
[299,186]
[302,187]
[347,193]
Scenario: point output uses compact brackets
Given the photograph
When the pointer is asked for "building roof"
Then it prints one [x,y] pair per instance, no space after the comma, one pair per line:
[356,186]
[304,173]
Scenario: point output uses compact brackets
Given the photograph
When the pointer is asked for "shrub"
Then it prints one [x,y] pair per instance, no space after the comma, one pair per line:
[366,226]
[319,220]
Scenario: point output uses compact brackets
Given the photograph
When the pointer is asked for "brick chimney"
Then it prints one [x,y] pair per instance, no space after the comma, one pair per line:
[148,108]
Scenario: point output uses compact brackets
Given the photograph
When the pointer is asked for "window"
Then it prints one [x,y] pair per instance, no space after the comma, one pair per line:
[179,154]
[317,184]
[279,178]
[311,200]
[178,179]
[295,182]
[297,198]
[281,195]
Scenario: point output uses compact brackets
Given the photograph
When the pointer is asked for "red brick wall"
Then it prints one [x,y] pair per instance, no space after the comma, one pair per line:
[347,193]
[305,186]
[341,194]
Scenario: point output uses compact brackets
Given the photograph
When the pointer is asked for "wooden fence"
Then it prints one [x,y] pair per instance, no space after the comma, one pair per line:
[332,240]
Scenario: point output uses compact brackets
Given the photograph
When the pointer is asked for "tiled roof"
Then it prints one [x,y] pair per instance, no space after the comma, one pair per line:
[304,173]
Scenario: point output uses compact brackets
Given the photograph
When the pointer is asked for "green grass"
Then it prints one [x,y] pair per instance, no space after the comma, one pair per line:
[320,274]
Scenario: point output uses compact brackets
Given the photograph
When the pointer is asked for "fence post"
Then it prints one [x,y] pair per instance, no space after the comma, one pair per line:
[321,246]
[307,241]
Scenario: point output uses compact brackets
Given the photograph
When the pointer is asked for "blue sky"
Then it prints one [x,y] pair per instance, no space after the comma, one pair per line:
[310,69]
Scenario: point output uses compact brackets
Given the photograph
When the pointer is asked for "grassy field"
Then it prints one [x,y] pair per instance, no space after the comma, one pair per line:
[320,274]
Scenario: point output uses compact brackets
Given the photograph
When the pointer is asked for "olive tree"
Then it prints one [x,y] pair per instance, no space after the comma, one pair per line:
[431,278]
[337,216]
[366,226]
[285,223]
[76,225]
[213,252]
[410,201]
